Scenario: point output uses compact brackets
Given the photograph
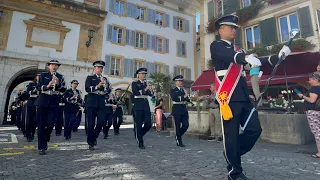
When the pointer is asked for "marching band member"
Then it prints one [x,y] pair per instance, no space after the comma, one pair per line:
[179,109]
[141,90]
[108,110]
[232,94]
[118,112]
[50,85]
[97,87]
[72,97]
[31,123]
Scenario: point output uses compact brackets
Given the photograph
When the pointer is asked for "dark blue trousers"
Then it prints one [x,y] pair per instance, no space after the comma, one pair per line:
[45,125]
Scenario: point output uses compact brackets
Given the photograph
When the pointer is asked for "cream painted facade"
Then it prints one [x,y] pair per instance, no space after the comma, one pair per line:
[270,11]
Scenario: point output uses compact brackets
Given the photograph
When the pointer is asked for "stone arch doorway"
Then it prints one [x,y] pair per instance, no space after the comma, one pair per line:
[26,74]
[124,85]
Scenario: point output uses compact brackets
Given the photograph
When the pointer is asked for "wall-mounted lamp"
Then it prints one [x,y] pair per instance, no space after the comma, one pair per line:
[90,36]
[1,13]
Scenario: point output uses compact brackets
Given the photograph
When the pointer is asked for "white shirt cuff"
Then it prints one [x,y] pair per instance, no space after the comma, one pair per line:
[235,57]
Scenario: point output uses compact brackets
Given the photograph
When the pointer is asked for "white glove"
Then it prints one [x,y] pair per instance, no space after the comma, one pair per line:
[285,50]
[253,61]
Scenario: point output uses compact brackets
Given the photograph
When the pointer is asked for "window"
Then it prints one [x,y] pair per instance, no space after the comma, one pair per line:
[182,71]
[159,68]
[219,8]
[138,63]
[181,48]
[118,35]
[115,66]
[318,18]
[252,37]
[246,3]
[119,7]
[180,23]
[286,24]
[159,44]
[141,12]
[140,40]
[159,18]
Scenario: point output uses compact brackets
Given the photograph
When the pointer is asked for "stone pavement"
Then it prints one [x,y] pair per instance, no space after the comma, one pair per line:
[119,158]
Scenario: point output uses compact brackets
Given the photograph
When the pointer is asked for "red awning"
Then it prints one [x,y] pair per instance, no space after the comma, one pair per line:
[204,81]
[281,79]
[298,66]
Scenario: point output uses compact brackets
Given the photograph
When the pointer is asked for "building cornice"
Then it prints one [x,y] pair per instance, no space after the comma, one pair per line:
[70,11]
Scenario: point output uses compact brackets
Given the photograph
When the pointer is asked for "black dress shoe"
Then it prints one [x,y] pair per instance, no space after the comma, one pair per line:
[95,142]
[141,145]
[58,134]
[105,136]
[42,152]
[219,139]
[91,148]
[29,139]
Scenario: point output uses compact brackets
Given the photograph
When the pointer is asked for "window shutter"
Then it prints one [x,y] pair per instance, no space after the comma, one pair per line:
[238,40]
[167,45]
[107,68]
[126,68]
[153,42]
[148,66]
[167,20]
[268,32]
[305,22]
[148,41]
[175,71]
[150,16]
[127,37]
[152,68]
[131,68]
[185,48]
[174,22]
[225,6]
[187,25]
[179,48]
[210,10]
[129,9]
[231,6]
[133,38]
[109,33]
[154,16]
[167,69]
[134,11]
[189,73]
[111,5]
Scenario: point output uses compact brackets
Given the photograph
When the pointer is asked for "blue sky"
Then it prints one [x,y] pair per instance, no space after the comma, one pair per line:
[197,20]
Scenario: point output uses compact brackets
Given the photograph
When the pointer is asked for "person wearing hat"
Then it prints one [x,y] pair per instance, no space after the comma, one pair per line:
[108,112]
[97,87]
[50,85]
[141,90]
[31,121]
[233,95]
[179,109]
[118,113]
[72,97]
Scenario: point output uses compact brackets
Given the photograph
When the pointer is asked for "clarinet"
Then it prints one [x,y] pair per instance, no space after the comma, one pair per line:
[146,83]
[188,98]
[55,81]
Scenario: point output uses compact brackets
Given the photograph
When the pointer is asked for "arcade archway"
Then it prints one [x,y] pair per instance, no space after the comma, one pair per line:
[23,75]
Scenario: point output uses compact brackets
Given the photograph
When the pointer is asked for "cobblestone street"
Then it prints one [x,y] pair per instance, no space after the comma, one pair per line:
[119,158]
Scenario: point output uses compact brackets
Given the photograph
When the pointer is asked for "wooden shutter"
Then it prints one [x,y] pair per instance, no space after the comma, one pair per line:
[175,71]
[210,10]
[131,68]
[148,66]
[107,68]
[127,42]
[125,72]
[185,48]
[174,22]
[109,33]
[167,69]
[148,41]
[167,20]
[167,45]
[150,16]
[111,5]
[133,38]
[134,11]
[268,32]
[187,25]
[189,73]
[238,40]
[153,42]
[179,48]
[129,9]
[231,6]
[305,22]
